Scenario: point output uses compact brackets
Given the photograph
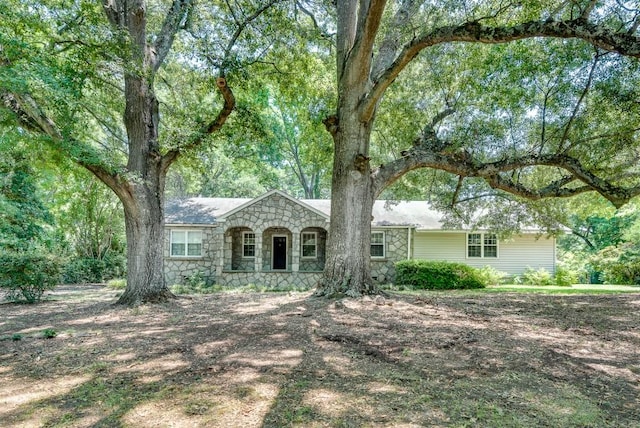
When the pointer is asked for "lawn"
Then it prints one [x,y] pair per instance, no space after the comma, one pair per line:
[491,358]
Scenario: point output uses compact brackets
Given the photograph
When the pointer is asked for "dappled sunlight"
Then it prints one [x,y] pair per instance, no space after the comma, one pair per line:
[216,346]
[385,388]
[120,358]
[342,365]
[15,393]
[208,404]
[253,308]
[164,365]
[284,357]
[331,403]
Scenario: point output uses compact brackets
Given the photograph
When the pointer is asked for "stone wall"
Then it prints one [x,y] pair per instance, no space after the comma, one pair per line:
[316,264]
[273,215]
[305,280]
[395,240]
[177,269]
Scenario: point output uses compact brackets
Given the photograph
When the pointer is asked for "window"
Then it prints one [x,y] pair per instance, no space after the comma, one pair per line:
[309,245]
[377,244]
[248,244]
[186,243]
[482,245]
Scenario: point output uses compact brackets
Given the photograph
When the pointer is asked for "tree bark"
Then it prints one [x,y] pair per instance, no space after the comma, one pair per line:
[347,269]
[144,222]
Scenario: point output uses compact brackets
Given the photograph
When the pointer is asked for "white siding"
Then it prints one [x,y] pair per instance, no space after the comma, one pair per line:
[514,254]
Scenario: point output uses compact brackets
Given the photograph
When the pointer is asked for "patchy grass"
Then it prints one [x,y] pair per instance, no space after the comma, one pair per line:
[572,289]
[494,358]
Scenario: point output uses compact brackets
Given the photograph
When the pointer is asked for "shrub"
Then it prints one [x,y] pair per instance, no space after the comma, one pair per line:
[26,276]
[117,284]
[437,275]
[491,275]
[619,264]
[91,270]
[565,277]
[195,284]
[536,277]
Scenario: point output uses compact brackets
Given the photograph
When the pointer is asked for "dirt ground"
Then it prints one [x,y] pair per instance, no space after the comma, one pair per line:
[288,359]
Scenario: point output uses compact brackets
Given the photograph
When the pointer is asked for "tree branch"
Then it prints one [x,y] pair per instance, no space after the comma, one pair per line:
[210,128]
[492,172]
[175,20]
[475,32]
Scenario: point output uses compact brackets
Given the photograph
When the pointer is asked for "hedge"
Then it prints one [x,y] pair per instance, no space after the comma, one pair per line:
[437,275]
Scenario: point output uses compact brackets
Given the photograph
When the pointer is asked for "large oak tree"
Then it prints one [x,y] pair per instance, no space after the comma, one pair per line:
[379,40]
[86,76]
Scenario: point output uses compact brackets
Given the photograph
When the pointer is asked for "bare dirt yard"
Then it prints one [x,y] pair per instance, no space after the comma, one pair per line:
[451,359]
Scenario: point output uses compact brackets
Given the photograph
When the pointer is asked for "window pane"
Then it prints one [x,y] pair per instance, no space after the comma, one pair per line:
[474,239]
[249,245]
[177,249]
[490,245]
[194,237]
[178,240]
[308,251]
[194,249]
[377,250]
[377,244]
[309,244]
[474,251]
[490,251]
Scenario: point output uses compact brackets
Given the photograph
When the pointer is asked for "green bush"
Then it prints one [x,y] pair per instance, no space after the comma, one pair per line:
[619,264]
[535,277]
[117,283]
[26,276]
[437,275]
[565,277]
[83,270]
[195,284]
[492,276]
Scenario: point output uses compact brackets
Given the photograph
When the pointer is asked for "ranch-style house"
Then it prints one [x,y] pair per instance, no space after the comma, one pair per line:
[276,240]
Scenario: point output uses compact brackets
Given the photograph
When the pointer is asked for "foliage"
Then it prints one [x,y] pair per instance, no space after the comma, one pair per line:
[49,333]
[438,275]
[80,270]
[26,276]
[491,275]
[117,284]
[565,277]
[23,215]
[195,284]
[619,264]
[532,276]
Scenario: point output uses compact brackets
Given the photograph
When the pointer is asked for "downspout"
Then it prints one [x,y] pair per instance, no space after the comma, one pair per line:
[408,243]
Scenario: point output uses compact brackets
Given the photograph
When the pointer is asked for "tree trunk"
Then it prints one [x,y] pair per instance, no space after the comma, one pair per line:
[144,220]
[347,270]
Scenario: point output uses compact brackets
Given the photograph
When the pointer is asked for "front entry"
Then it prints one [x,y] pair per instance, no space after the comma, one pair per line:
[279,248]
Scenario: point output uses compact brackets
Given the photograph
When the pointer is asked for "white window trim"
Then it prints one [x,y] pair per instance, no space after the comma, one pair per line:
[186,244]
[244,234]
[482,245]
[315,245]
[384,245]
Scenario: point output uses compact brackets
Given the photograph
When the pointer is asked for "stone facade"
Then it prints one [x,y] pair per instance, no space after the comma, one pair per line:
[178,269]
[228,259]
[396,242]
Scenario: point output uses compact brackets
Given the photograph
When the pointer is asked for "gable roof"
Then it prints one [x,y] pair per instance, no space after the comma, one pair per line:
[209,211]
[269,194]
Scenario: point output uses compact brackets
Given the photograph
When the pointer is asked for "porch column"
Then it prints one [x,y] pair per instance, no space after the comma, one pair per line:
[258,252]
[219,262]
[295,250]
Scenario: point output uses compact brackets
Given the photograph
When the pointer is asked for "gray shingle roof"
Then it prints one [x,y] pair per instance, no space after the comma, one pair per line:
[205,211]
